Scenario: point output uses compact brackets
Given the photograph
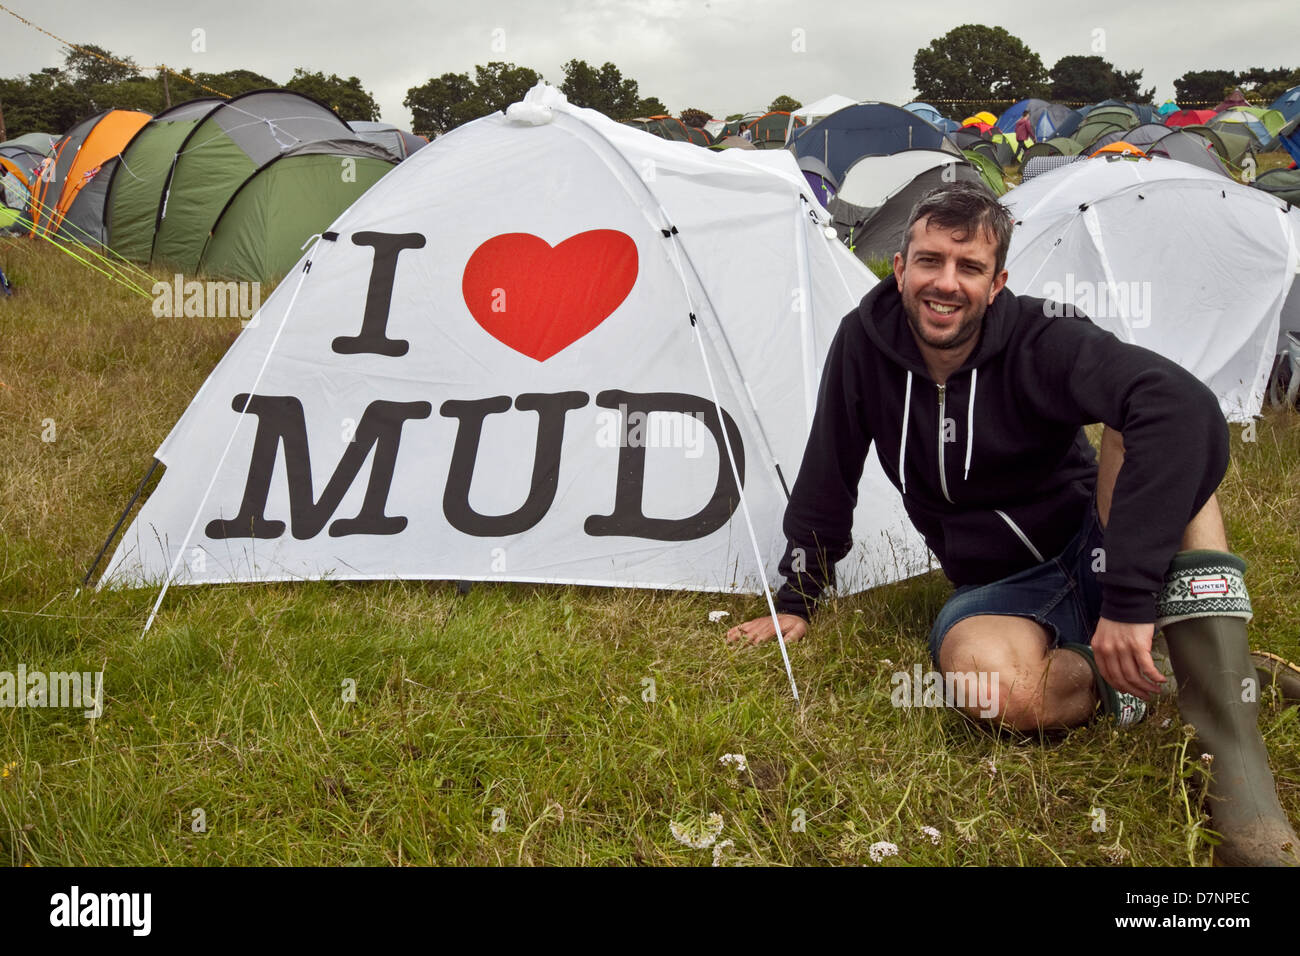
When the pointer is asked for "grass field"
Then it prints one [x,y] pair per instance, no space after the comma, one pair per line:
[516,724]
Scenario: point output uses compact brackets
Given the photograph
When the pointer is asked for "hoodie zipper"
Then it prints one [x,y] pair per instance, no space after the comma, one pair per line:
[943,478]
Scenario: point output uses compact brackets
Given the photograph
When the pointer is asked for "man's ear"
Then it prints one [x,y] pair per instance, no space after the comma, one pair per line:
[999,283]
[898,270]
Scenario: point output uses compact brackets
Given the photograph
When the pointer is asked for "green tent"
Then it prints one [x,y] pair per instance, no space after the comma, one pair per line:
[227,146]
[135,189]
[261,231]
[988,169]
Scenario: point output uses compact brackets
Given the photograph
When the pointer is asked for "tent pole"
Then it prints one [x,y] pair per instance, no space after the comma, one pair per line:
[125,511]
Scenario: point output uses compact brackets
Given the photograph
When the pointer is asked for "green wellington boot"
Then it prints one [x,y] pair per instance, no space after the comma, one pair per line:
[1203,611]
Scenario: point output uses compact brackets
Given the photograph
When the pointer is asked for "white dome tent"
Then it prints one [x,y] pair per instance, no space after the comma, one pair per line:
[559,384]
[1165,255]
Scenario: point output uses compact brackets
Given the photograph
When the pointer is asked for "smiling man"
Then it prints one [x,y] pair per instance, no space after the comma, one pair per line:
[976,400]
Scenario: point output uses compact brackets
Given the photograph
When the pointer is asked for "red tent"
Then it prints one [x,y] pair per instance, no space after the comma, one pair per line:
[1189,118]
[1233,100]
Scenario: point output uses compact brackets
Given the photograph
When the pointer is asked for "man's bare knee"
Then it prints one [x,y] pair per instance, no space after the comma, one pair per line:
[1002,658]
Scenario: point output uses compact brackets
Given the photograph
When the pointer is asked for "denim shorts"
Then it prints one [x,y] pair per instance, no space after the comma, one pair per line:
[1063,594]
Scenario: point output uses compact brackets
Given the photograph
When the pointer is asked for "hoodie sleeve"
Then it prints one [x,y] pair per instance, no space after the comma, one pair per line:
[819,516]
[1175,448]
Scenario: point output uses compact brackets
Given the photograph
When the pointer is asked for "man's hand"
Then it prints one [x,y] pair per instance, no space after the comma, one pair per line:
[1123,655]
[760,629]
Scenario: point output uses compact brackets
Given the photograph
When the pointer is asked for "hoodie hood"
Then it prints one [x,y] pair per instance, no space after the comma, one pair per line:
[885,322]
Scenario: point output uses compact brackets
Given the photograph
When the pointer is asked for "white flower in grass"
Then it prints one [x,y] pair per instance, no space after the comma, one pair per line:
[734,760]
[934,835]
[989,766]
[878,851]
[1164,724]
[717,851]
[698,834]
[716,616]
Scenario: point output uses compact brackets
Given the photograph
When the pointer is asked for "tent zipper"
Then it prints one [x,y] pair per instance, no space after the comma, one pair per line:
[943,478]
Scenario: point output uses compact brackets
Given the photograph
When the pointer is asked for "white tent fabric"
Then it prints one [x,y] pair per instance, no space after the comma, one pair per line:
[1167,256]
[523,388]
[818,110]
[871,180]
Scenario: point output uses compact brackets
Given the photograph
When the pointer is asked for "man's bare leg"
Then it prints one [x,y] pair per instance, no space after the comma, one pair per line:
[1034,688]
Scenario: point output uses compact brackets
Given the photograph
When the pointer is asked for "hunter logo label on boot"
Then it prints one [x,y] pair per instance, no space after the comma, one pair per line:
[1201,587]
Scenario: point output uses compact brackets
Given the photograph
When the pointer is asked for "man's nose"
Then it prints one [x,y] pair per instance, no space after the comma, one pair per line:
[946,280]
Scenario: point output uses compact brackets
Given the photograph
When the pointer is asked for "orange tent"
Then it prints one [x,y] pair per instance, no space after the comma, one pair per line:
[1121,147]
[77,159]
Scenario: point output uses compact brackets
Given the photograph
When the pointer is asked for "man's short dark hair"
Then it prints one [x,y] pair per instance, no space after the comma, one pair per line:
[966,206]
[1025,113]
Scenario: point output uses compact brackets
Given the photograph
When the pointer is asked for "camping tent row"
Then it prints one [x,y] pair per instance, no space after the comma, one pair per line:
[222,187]
[633,310]
[868,163]
[673,129]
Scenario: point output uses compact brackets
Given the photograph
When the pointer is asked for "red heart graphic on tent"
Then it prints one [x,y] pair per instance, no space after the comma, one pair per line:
[539,300]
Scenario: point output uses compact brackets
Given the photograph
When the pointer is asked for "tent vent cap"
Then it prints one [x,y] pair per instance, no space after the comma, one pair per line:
[538,106]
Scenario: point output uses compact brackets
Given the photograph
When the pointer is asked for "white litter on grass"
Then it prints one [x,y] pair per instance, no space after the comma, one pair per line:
[878,851]
[716,616]
[698,834]
[734,760]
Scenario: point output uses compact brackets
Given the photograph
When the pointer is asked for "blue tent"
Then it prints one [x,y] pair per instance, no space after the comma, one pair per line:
[1288,104]
[1007,121]
[868,129]
[925,111]
[1289,137]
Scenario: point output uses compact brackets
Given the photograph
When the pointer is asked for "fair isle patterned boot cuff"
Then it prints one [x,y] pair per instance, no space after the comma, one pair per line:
[1203,584]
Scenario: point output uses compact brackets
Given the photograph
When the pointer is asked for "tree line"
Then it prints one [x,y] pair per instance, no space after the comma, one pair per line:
[92,80]
[982,67]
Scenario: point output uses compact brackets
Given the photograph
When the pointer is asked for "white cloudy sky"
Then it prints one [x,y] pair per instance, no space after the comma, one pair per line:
[723,56]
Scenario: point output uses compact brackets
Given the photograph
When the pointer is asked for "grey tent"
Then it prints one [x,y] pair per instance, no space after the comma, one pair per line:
[397,141]
[1283,183]
[876,231]
[1189,147]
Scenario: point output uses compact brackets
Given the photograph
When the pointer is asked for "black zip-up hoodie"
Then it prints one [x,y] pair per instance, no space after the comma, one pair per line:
[1011,484]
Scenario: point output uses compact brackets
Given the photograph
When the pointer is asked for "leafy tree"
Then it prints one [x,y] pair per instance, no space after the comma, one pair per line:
[1207,87]
[732,117]
[605,89]
[695,117]
[92,65]
[446,102]
[500,84]
[784,104]
[1088,79]
[651,106]
[347,98]
[984,64]
[1268,85]
[442,104]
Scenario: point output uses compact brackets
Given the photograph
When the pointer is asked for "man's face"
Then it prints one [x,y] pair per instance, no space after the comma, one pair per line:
[947,283]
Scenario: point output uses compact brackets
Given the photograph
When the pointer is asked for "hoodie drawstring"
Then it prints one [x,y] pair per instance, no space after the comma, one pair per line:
[970,423]
[902,447]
